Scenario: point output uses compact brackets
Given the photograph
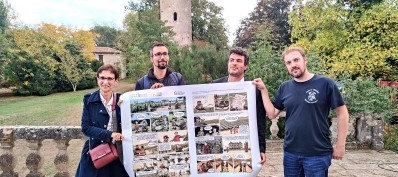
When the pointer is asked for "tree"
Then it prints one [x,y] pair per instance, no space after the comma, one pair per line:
[70,66]
[142,26]
[107,35]
[32,56]
[30,67]
[201,64]
[266,63]
[270,13]
[208,24]
[359,40]
[4,15]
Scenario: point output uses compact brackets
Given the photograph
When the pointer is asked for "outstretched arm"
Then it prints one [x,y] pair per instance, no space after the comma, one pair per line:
[272,112]
[342,129]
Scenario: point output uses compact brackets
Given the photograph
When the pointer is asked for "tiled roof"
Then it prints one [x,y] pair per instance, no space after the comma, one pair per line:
[106,50]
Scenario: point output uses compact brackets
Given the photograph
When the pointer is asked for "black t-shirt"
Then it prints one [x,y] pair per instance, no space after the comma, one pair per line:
[307,107]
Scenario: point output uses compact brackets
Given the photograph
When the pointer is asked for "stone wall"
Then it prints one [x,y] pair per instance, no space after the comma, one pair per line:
[35,135]
[363,132]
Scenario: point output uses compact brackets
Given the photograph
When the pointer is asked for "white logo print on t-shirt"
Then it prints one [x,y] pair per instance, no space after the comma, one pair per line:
[311,96]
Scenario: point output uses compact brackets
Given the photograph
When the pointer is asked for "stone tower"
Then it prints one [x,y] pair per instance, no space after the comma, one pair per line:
[177,14]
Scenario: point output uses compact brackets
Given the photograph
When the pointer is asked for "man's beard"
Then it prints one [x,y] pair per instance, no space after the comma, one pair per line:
[161,66]
[235,74]
[299,74]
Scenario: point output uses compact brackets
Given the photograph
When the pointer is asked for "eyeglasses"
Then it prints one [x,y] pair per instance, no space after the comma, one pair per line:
[159,54]
[106,78]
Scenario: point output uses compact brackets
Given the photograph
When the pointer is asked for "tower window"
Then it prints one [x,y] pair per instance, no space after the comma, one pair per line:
[175,16]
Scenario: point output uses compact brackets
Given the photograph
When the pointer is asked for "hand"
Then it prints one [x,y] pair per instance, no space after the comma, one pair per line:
[157,85]
[263,158]
[338,152]
[117,136]
[259,84]
[120,102]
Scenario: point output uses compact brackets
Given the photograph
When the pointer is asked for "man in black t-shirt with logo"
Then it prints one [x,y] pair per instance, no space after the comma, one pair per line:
[307,100]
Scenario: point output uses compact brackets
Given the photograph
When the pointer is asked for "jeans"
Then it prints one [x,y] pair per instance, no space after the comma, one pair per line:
[312,166]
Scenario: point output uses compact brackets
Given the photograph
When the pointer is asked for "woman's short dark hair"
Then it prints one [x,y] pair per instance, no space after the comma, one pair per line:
[241,52]
[109,67]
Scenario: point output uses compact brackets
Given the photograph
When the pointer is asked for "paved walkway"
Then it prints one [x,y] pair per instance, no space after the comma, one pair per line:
[356,163]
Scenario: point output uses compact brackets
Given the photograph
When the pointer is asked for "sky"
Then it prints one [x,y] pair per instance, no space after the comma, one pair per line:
[86,13]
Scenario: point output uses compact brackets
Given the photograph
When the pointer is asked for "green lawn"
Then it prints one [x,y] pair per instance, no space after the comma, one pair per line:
[56,109]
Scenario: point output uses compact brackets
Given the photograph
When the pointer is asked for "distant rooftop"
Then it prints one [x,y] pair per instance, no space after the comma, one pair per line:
[106,50]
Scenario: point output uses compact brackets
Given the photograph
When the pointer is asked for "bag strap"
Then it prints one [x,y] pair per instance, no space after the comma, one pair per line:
[146,82]
[113,118]
[114,102]
[175,78]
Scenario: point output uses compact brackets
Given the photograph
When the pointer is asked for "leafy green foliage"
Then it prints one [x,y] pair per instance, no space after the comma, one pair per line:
[143,27]
[72,65]
[356,38]
[107,35]
[3,62]
[35,57]
[267,64]
[390,137]
[141,63]
[208,24]
[4,15]
[364,96]
[272,14]
[201,65]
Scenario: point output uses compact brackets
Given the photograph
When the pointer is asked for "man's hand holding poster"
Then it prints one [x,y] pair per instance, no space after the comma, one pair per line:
[193,130]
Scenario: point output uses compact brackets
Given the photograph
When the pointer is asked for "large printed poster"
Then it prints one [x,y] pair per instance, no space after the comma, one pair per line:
[193,130]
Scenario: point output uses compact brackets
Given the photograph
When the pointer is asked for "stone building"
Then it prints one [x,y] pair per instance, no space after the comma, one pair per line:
[109,55]
[177,14]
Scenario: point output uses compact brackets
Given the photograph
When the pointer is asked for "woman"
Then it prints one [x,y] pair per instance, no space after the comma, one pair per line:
[97,124]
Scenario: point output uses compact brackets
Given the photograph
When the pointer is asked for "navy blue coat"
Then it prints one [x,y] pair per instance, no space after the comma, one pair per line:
[95,120]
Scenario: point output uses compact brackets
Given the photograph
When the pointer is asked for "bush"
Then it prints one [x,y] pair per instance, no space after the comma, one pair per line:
[364,96]
[63,85]
[390,138]
[200,65]
[37,81]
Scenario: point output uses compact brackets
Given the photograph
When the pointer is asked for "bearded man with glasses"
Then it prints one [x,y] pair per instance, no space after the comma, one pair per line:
[160,74]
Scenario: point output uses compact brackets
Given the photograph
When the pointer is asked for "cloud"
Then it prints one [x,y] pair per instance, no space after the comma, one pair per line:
[234,12]
[86,13]
[77,13]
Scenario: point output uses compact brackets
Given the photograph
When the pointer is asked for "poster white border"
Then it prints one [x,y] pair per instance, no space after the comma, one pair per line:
[189,91]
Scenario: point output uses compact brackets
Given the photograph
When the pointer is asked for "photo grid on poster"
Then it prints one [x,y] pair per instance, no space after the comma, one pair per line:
[222,136]
[160,137]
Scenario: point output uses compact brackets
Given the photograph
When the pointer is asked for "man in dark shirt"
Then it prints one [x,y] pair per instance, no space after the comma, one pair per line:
[238,62]
[307,99]
[160,74]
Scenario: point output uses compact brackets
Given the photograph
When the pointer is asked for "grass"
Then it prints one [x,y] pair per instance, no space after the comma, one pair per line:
[63,109]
